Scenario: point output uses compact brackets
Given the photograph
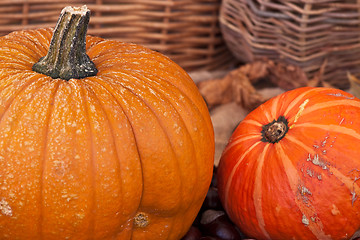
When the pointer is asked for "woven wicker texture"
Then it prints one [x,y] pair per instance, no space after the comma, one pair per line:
[302,32]
[185,30]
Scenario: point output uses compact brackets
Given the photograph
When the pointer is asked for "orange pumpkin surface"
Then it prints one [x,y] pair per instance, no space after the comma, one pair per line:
[124,154]
[291,167]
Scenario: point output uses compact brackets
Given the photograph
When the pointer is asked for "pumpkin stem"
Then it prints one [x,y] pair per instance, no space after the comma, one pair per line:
[67,56]
[275,131]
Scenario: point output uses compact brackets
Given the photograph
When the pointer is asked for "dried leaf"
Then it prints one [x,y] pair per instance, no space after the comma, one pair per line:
[314,82]
[237,85]
[216,91]
[287,76]
[243,91]
[354,85]
[255,70]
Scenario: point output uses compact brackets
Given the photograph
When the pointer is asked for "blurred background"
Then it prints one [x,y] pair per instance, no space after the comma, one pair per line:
[185,30]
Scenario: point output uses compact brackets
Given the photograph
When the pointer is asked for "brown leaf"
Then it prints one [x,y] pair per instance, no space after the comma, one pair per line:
[354,85]
[255,70]
[216,91]
[244,92]
[235,86]
[286,76]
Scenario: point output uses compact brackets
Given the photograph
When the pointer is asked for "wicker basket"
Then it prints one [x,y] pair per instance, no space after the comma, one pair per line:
[302,32]
[185,30]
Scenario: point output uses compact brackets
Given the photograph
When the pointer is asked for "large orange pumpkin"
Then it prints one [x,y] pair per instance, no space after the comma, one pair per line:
[117,144]
[291,167]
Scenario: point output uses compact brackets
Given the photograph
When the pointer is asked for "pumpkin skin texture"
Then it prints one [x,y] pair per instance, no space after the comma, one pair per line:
[125,154]
[303,185]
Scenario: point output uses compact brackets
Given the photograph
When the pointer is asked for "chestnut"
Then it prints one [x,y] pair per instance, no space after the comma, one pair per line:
[215,223]
[192,234]
[196,222]
[214,177]
[212,200]
[209,238]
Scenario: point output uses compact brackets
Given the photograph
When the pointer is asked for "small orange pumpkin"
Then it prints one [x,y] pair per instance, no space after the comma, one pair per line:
[291,167]
[99,139]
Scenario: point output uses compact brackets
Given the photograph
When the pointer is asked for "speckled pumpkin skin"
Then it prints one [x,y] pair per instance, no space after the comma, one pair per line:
[80,159]
[305,186]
